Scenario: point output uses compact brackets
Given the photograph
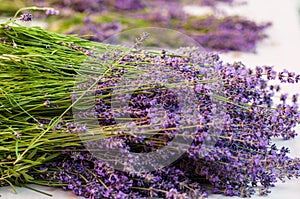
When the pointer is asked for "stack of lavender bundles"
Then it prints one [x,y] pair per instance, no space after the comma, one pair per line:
[152,122]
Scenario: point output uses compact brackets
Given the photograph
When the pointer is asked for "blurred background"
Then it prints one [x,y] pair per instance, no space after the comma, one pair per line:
[209,22]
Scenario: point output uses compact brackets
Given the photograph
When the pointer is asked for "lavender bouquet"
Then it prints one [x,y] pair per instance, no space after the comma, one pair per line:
[111,121]
[97,20]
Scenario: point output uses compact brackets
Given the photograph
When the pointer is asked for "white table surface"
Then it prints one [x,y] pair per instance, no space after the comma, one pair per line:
[281,50]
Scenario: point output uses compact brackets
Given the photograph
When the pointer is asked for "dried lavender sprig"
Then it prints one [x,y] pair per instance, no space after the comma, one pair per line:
[33,8]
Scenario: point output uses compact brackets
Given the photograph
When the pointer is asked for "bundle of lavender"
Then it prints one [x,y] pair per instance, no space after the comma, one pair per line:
[110,121]
[96,6]
[98,20]
[230,33]
[222,33]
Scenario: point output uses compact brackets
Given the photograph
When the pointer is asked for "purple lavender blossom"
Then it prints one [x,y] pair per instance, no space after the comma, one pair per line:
[215,2]
[52,12]
[26,17]
[128,4]
[229,33]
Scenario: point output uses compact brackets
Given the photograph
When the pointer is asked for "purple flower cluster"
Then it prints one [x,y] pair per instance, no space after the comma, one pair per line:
[128,4]
[88,177]
[230,33]
[244,155]
[98,32]
[26,17]
[242,160]
[96,6]
[80,5]
[52,12]
[214,2]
